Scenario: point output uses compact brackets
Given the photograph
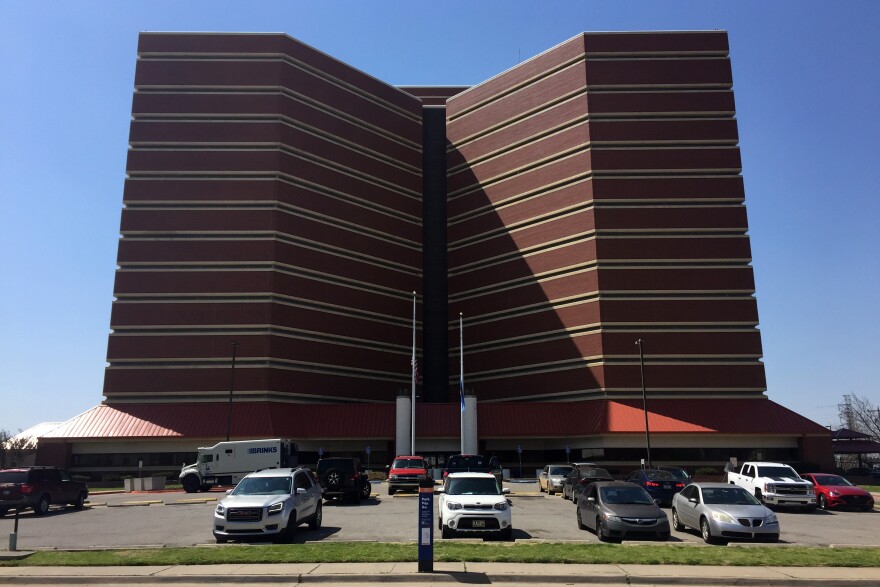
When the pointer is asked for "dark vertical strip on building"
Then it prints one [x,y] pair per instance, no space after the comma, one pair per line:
[434,317]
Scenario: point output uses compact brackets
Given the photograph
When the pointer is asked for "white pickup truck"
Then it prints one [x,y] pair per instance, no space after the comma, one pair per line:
[774,484]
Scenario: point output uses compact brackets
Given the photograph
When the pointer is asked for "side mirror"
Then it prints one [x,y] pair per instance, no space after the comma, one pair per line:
[694,500]
[300,491]
[657,502]
[591,499]
[388,467]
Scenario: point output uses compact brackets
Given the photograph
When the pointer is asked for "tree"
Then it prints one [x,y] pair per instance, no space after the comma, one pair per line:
[859,414]
[13,448]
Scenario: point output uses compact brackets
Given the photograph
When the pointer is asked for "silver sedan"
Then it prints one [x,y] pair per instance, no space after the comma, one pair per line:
[722,512]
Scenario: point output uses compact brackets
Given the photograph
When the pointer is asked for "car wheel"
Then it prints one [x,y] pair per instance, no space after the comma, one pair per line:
[549,492]
[823,503]
[221,540]
[564,494]
[334,478]
[190,484]
[581,525]
[446,532]
[391,490]
[80,501]
[507,533]
[366,490]
[42,506]
[676,523]
[315,522]
[574,498]
[286,535]
[707,532]
[600,532]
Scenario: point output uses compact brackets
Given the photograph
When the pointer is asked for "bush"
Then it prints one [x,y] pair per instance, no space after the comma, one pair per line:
[707,471]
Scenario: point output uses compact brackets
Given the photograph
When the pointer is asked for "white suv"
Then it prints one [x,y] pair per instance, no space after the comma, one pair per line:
[474,502]
[269,504]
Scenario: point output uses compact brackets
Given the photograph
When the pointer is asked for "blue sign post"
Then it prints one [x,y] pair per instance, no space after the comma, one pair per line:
[426,526]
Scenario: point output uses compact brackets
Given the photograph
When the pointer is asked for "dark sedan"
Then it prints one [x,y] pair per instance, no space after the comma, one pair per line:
[617,510]
[660,485]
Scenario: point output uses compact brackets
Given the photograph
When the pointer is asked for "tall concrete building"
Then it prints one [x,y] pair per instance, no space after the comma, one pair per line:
[282,207]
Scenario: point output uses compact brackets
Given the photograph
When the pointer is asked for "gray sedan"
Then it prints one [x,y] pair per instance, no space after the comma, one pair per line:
[617,510]
[721,512]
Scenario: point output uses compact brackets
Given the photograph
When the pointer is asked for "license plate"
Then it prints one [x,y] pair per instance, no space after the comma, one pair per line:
[7,492]
[478,523]
[667,486]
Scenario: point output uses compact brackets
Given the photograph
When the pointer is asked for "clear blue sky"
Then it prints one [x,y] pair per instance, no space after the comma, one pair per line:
[808,104]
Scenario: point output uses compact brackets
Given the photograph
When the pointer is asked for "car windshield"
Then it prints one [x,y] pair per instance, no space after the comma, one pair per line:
[13,476]
[778,472]
[728,496]
[625,495]
[831,480]
[408,464]
[473,486]
[560,470]
[263,486]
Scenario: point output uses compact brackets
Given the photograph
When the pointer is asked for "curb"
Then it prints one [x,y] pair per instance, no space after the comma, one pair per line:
[433,578]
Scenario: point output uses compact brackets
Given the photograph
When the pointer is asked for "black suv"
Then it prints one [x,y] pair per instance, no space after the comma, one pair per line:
[37,488]
[343,477]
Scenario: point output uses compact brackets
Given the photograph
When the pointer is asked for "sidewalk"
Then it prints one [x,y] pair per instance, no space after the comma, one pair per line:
[467,573]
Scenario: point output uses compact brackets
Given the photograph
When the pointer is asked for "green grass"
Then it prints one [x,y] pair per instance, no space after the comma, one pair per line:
[355,552]
[871,488]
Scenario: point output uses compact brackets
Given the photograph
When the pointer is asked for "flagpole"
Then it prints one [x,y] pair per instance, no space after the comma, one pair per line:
[412,444]
[461,373]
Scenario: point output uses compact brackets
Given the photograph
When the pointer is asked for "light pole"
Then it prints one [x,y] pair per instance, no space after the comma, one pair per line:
[231,388]
[641,342]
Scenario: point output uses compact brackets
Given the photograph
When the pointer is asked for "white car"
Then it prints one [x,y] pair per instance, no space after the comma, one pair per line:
[269,504]
[474,503]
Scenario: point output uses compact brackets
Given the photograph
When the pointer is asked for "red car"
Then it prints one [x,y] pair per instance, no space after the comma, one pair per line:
[834,491]
[406,472]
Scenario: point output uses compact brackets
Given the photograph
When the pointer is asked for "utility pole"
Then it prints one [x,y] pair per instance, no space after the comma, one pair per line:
[641,342]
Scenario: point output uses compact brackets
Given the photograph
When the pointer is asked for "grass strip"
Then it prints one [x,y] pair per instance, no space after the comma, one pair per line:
[356,552]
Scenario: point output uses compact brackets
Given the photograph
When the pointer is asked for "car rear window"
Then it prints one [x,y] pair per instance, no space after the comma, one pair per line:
[13,476]
[660,475]
[343,465]
[560,470]
[466,461]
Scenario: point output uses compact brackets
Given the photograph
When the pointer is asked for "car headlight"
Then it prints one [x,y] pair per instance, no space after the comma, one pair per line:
[721,517]
[501,505]
[276,508]
[393,477]
[220,509]
[771,519]
[610,518]
[833,493]
[769,488]
[453,505]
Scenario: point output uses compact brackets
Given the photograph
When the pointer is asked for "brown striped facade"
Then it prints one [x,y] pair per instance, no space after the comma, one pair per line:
[276,197]
[595,198]
[273,198]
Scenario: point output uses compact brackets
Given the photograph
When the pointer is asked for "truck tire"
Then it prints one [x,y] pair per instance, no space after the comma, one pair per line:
[759,496]
[366,490]
[42,505]
[80,501]
[191,484]
[334,478]
[391,490]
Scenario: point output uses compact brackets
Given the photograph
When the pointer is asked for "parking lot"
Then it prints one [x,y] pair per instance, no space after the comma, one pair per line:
[182,519]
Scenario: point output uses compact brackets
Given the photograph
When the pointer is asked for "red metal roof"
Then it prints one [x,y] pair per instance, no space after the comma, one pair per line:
[501,420]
